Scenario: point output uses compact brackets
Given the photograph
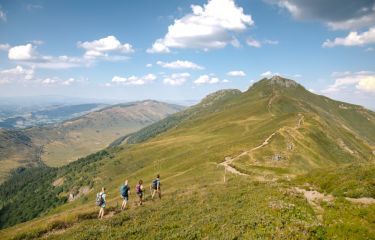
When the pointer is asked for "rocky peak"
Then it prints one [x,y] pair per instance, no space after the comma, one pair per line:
[277,80]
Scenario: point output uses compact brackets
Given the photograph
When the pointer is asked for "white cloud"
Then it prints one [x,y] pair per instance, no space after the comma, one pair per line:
[271,42]
[337,14]
[236,73]
[133,80]
[103,46]
[149,65]
[206,79]
[253,43]
[158,47]
[268,74]
[363,80]
[49,81]
[21,52]
[16,74]
[37,42]
[367,84]
[27,55]
[225,81]
[179,64]
[4,47]
[58,81]
[68,82]
[353,39]
[256,43]
[176,79]
[235,43]
[353,23]
[3,16]
[27,76]
[209,26]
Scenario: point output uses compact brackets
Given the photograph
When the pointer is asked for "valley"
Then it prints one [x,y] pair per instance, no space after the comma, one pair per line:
[58,144]
[232,166]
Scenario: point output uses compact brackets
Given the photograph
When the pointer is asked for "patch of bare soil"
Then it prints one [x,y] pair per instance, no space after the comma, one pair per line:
[364,200]
[58,182]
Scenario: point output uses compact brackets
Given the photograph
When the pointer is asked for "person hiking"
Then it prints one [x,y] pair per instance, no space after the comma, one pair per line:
[124,191]
[155,187]
[101,202]
[140,191]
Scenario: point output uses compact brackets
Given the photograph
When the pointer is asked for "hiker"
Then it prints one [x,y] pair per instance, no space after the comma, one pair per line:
[155,187]
[124,191]
[101,202]
[140,191]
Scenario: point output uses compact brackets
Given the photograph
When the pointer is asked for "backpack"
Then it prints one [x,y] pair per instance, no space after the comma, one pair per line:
[99,199]
[124,190]
[155,183]
[138,189]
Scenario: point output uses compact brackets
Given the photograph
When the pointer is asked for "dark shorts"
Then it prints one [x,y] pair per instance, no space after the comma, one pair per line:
[140,194]
[126,198]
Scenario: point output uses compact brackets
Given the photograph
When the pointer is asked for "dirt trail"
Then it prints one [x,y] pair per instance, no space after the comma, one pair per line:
[364,200]
[269,105]
[228,160]
[314,198]
[229,168]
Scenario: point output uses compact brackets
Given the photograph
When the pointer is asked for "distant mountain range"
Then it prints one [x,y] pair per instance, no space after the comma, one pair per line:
[46,115]
[273,162]
[61,143]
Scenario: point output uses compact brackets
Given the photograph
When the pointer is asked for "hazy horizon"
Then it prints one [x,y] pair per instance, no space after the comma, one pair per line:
[185,50]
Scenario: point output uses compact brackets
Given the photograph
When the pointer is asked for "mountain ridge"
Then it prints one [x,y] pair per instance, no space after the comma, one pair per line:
[274,135]
[59,143]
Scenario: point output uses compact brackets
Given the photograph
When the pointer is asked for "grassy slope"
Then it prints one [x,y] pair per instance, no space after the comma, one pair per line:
[195,196]
[16,150]
[59,144]
[87,134]
[345,181]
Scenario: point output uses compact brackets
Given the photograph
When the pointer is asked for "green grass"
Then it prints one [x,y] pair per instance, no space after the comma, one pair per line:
[197,204]
[355,180]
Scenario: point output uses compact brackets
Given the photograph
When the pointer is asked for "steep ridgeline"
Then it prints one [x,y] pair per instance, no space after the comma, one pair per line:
[275,137]
[81,136]
[307,130]
[211,103]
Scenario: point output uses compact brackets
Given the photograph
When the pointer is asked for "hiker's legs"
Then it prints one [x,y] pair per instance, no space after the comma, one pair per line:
[159,192]
[101,212]
[153,193]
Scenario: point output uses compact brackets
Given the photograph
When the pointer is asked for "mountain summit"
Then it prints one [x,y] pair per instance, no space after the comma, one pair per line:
[284,82]
[237,157]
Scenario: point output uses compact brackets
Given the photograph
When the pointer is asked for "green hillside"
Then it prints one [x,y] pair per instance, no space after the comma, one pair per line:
[81,136]
[16,152]
[236,166]
[59,144]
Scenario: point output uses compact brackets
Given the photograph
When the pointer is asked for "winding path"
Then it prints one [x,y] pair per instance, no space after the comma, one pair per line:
[229,160]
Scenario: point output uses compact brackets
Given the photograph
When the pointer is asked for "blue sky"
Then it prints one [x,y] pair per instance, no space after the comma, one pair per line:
[178,50]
